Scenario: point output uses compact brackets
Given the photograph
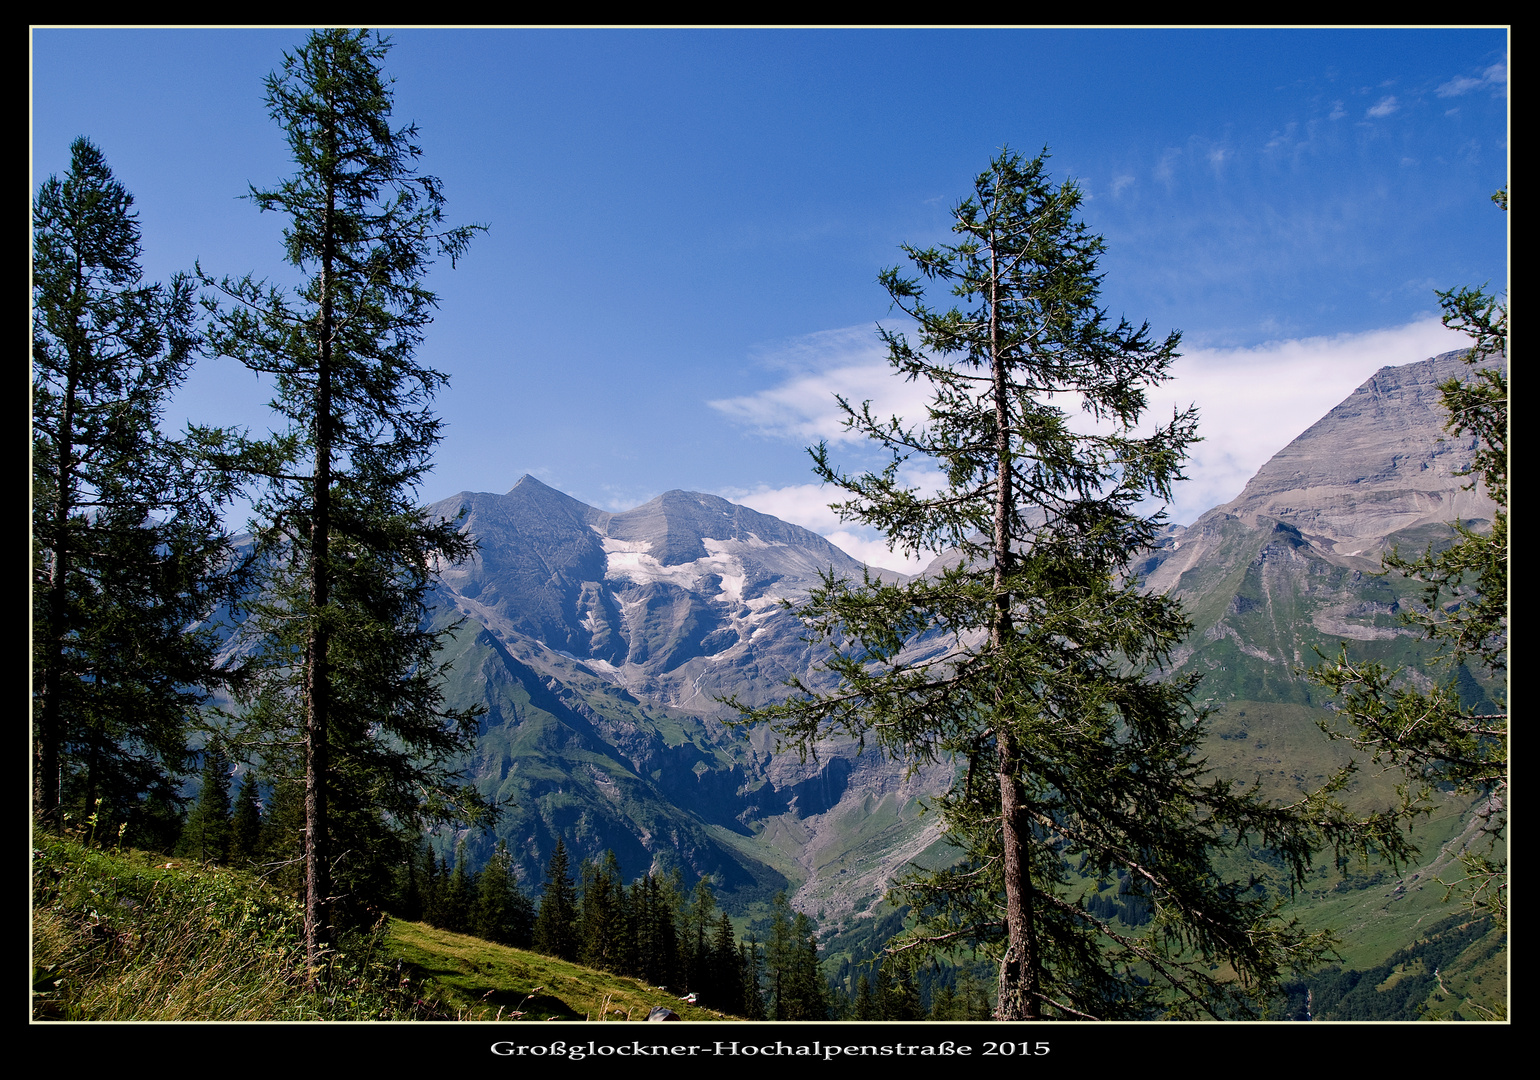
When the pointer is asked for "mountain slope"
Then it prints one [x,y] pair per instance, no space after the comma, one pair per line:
[1292,564]
[600,643]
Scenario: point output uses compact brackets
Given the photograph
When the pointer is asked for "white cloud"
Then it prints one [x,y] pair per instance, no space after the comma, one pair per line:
[1253,402]
[1119,183]
[1384,107]
[1496,76]
[852,363]
[1462,84]
[808,505]
[1282,139]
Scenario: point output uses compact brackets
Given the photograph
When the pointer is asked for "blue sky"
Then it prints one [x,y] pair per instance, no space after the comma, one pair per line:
[686,226]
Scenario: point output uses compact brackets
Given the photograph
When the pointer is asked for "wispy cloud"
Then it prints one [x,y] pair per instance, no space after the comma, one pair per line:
[808,505]
[1494,76]
[1384,107]
[851,363]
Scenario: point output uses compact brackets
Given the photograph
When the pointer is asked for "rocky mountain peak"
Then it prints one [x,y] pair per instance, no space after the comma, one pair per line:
[1379,463]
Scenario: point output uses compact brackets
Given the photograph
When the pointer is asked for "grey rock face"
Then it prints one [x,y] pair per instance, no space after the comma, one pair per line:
[1378,464]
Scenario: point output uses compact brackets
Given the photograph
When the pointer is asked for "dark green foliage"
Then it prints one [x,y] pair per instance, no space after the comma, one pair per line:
[653,905]
[972,997]
[726,981]
[1034,659]
[794,982]
[246,822]
[502,912]
[128,554]
[898,995]
[458,894]
[752,964]
[206,836]
[429,882]
[602,922]
[349,691]
[556,924]
[945,1006]
[865,1004]
[1454,736]
[696,923]
[1402,988]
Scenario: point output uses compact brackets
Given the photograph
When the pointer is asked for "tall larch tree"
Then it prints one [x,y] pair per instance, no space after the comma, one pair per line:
[128,551]
[351,696]
[1033,659]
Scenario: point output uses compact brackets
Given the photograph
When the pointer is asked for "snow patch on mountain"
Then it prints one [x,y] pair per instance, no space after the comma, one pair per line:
[633,561]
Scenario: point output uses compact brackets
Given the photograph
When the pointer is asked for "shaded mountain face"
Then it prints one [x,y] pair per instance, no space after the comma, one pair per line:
[600,644]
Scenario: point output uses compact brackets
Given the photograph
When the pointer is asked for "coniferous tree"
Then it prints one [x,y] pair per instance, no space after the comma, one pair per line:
[459,894]
[602,915]
[973,998]
[944,1004]
[797,987]
[727,977]
[246,822]
[865,1006]
[519,924]
[698,925]
[556,923]
[809,997]
[351,673]
[502,912]
[901,996]
[657,940]
[407,898]
[206,834]
[129,556]
[1039,668]
[752,964]
[283,832]
[432,887]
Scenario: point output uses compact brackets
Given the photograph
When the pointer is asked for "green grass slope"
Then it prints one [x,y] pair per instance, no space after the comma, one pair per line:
[131,935]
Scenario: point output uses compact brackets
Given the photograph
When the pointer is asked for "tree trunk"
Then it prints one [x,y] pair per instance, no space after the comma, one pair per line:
[318,688]
[48,759]
[1017,998]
